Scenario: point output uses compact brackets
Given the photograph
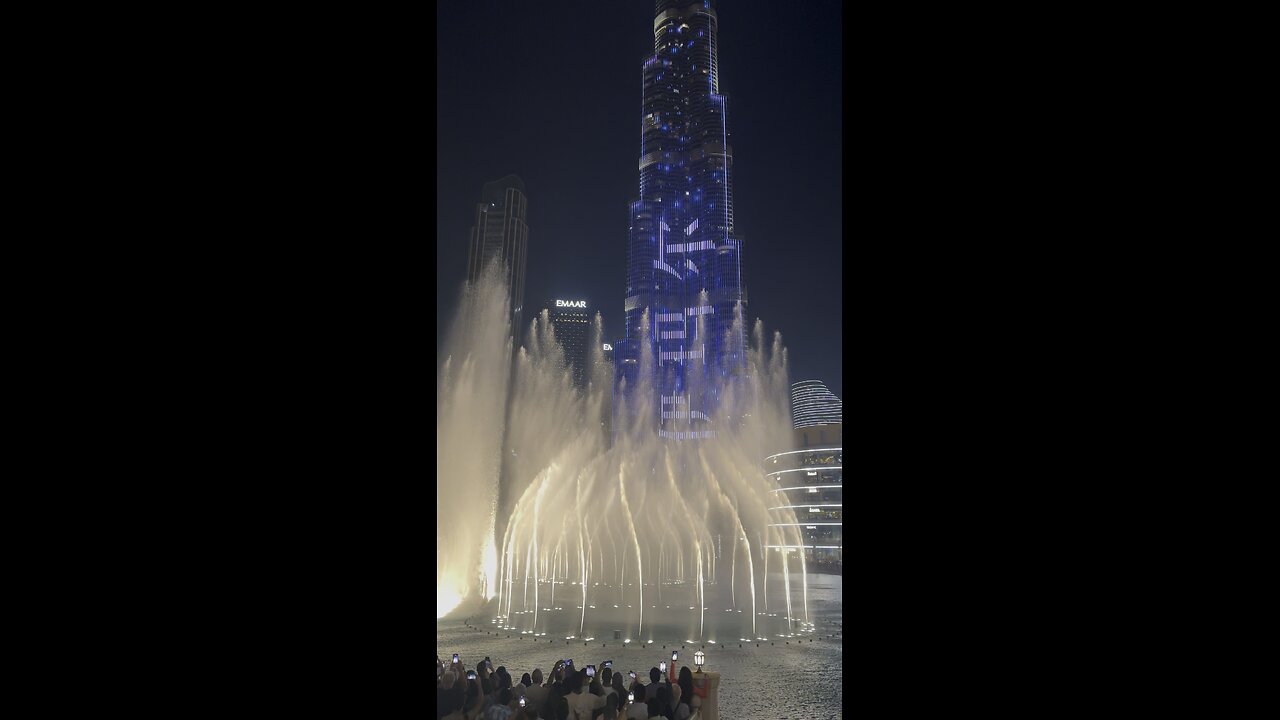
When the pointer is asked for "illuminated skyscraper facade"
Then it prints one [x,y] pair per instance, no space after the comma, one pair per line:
[684,260]
[573,328]
[813,404]
[501,232]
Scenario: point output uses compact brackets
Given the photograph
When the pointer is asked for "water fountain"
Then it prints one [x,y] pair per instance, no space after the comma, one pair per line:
[654,539]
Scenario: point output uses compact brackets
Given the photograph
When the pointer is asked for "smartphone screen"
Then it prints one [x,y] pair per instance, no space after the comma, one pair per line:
[455,658]
[662,666]
[633,674]
[674,655]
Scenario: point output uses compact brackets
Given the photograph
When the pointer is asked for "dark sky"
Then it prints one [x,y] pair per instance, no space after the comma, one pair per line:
[551,92]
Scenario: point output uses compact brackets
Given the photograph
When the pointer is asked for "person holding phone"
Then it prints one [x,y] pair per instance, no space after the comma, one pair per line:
[473,701]
[518,690]
[619,689]
[637,710]
[582,704]
[635,686]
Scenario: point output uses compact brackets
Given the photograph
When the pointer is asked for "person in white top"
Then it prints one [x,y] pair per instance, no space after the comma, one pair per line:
[535,695]
[582,704]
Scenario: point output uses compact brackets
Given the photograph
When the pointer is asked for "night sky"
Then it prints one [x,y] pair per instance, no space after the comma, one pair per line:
[551,92]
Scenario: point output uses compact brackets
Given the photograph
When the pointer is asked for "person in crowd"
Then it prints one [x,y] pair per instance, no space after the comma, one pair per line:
[675,691]
[684,699]
[443,694]
[504,678]
[666,700]
[501,681]
[655,709]
[636,688]
[475,701]
[560,686]
[636,710]
[536,694]
[651,691]
[610,707]
[486,690]
[501,708]
[455,699]
[518,690]
[582,703]
[619,688]
[557,707]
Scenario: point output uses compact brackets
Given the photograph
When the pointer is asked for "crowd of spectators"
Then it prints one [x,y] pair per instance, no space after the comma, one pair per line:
[593,692]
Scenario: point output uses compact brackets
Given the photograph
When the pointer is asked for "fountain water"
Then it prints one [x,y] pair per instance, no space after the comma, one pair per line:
[657,504]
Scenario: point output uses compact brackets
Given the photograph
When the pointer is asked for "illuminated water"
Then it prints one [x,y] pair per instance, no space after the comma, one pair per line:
[655,539]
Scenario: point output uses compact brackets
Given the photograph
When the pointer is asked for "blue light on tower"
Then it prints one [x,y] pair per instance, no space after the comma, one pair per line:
[682,247]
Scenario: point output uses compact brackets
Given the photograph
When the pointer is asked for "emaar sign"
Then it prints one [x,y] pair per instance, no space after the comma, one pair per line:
[571,303]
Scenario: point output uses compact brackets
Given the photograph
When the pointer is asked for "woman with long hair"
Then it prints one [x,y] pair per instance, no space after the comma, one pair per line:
[684,705]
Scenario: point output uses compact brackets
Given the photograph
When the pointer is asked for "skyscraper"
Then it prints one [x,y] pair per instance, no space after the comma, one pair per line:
[684,259]
[813,404]
[500,232]
[572,322]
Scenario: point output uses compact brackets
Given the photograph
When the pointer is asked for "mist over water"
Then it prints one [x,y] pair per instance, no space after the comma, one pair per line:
[652,538]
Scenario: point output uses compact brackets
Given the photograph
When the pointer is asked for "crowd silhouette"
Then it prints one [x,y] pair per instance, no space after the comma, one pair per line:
[591,692]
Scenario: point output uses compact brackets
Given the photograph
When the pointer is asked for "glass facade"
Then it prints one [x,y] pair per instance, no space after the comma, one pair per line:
[500,233]
[684,260]
[813,404]
[810,494]
[572,323]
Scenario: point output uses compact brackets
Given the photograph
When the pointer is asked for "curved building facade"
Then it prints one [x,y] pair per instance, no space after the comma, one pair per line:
[810,493]
[813,404]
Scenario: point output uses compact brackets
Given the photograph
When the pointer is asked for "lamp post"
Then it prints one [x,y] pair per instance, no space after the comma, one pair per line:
[698,659]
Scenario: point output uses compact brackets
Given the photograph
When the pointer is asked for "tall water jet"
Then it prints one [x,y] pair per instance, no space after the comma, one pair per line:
[470,393]
[662,503]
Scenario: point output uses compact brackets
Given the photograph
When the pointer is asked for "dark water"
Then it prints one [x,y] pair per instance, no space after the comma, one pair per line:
[774,680]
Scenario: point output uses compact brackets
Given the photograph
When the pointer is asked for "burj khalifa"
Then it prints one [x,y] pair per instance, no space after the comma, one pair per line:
[684,258]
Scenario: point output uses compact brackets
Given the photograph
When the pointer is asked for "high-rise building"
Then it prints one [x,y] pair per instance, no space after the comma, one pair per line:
[684,258]
[571,319]
[500,232]
[813,404]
